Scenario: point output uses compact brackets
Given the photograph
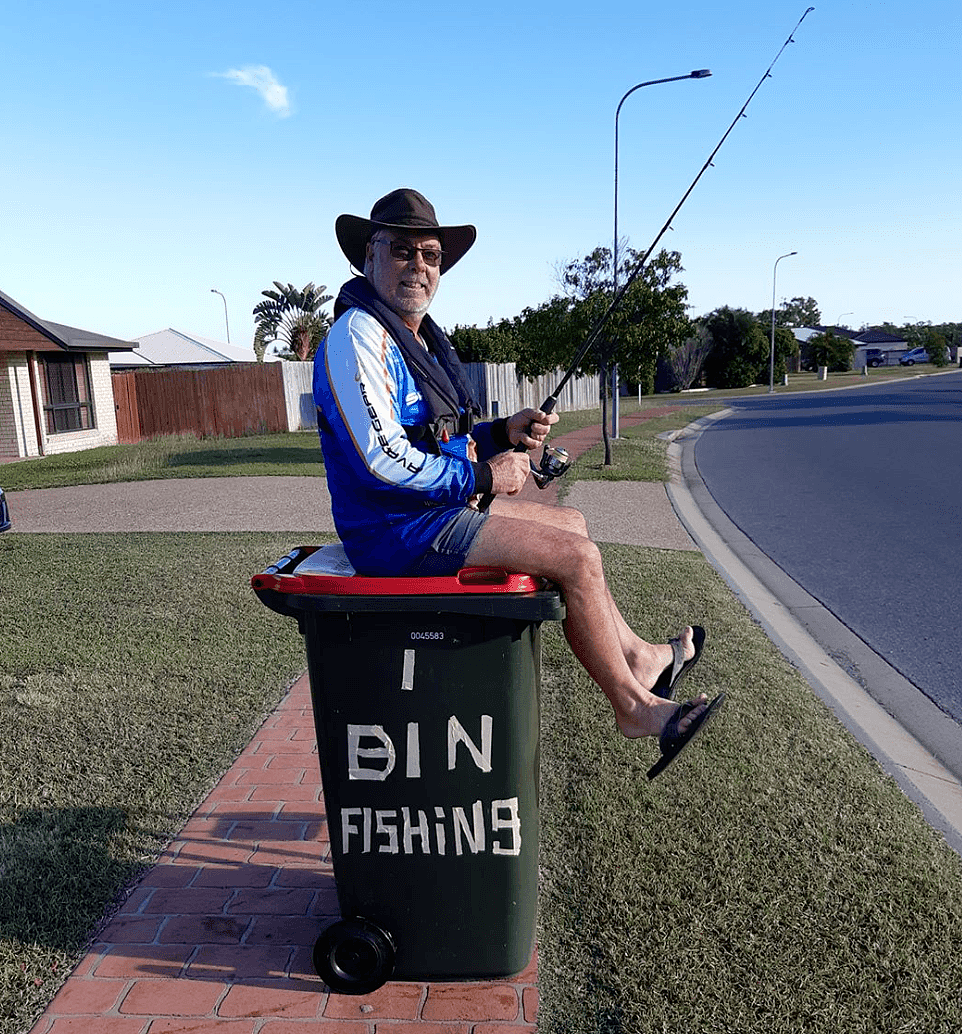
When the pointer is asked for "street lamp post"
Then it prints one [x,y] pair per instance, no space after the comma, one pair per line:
[214,290]
[771,365]
[700,73]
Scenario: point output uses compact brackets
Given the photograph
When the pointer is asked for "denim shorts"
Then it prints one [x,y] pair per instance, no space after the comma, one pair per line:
[449,550]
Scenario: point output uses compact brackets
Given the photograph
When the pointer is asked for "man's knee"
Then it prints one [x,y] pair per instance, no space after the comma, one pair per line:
[567,518]
[563,518]
[582,563]
[575,521]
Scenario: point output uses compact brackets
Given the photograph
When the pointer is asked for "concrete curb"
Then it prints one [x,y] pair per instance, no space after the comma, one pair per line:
[917,747]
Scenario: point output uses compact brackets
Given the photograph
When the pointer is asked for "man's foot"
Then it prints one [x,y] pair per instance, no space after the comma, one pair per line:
[687,649]
[650,717]
[687,722]
[652,660]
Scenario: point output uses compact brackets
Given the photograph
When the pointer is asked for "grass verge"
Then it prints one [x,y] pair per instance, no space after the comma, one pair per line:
[134,669]
[772,880]
[172,456]
[638,454]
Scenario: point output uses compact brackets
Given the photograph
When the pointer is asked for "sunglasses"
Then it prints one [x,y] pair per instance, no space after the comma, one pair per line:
[406,252]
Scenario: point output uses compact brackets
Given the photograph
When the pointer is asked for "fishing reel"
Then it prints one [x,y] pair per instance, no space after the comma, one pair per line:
[554,463]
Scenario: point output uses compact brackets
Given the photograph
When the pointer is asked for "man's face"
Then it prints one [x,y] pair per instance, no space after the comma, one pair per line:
[406,286]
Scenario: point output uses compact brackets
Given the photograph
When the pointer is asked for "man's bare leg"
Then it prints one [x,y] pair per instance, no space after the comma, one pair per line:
[642,657]
[573,562]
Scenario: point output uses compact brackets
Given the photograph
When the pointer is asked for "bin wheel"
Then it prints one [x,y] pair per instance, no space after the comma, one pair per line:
[354,957]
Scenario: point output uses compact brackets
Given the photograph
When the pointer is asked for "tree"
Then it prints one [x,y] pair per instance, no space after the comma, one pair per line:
[831,350]
[934,344]
[294,317]
[739,353]
[547,337]
[786,347]
[952,333]
[798,312]
[260,342]
[495,343]
[686,361]
[650,319]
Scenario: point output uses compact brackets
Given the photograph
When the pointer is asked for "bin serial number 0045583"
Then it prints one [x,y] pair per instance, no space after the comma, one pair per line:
[422,636]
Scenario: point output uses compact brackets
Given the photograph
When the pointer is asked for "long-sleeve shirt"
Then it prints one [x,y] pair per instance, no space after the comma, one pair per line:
[389,498]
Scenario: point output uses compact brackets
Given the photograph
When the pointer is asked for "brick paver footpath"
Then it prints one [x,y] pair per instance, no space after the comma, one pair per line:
[217,937]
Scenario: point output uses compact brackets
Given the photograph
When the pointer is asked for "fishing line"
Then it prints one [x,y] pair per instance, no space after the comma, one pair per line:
[596,329]
[547,472]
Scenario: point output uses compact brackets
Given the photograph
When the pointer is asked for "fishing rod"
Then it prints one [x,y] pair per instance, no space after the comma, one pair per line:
[554,461]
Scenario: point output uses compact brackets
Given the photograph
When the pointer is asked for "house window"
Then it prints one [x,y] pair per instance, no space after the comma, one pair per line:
[67,399]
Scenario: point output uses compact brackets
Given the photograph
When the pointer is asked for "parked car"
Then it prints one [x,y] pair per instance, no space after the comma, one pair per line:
[876,357]
[4,512]
[917,355]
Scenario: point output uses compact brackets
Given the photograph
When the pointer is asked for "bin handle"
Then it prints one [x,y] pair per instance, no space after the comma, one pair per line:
[286,564]
[277,576]
[482,576]
[279,582]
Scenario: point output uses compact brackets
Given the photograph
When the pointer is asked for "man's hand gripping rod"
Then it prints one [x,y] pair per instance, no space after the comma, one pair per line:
[554,465]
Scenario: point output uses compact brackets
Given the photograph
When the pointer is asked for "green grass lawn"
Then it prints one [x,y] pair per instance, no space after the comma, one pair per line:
[772,880]
[171,456]
[133,670]
[808,381]
[638,454]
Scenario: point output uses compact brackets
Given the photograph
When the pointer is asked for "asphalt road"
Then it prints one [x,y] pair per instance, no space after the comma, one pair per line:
[857,496]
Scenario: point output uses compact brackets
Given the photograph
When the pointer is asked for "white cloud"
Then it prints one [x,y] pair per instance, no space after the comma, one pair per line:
[261,78]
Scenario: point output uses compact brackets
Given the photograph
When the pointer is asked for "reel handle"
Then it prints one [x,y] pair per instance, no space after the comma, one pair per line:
[546,407]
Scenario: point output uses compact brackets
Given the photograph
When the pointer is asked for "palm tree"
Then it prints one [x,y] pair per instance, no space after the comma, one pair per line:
[293,316]
[261,341]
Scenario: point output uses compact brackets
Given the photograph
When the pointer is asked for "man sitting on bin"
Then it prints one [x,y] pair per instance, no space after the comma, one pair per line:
[406,464]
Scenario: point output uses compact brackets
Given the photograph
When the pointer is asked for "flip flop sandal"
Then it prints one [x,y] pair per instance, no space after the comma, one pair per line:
[667,685]
[672,742]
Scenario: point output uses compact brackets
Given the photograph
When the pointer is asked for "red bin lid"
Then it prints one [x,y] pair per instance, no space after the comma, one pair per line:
[326,571]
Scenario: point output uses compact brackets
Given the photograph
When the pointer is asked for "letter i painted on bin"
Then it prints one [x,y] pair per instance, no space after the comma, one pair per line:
[407,671]
[413,767]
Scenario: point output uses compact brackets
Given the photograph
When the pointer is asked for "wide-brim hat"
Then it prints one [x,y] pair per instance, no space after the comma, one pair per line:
[403,210]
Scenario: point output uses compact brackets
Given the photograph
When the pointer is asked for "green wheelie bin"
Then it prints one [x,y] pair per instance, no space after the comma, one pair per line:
[426,706]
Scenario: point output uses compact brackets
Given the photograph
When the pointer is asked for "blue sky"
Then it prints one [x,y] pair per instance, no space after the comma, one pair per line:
[156,151]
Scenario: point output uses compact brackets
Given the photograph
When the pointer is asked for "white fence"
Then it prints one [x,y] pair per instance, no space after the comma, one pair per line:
[299,395]
[500,392]
[497,388]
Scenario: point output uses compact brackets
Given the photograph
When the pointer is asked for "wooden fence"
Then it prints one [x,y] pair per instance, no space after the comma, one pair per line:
[230,401]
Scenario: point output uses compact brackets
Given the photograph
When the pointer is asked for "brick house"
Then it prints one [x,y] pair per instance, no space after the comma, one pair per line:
[55,388]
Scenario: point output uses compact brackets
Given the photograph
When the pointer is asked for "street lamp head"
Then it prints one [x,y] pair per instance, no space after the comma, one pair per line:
[701,73]
[223,298]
